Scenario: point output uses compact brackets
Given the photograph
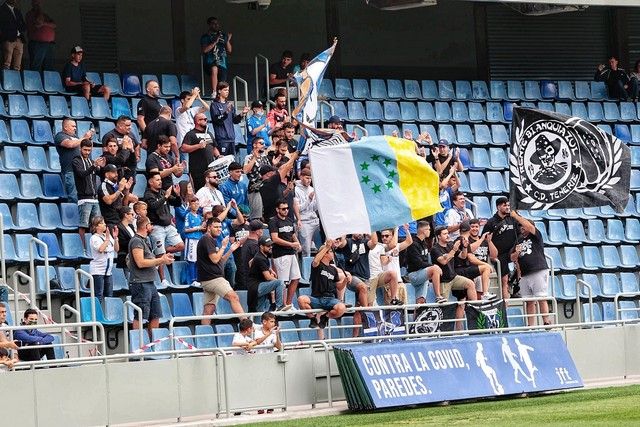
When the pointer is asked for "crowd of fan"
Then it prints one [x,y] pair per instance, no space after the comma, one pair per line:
[206,205]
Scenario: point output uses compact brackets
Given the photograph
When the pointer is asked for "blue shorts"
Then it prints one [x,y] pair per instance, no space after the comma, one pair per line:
[324,303]
[145,295]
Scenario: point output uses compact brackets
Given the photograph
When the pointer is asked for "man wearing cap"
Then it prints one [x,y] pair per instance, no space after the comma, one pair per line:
[285,259]
[457,214]
[247,251]
[306,210]
[504,236]
[202,149]
[262,280]
[185,114]
[235,188]
[209,195]
[74,77]
[87,182]
[114,194]
[335,122]
[257,126]
[253,163]
[68,147]
[446,159]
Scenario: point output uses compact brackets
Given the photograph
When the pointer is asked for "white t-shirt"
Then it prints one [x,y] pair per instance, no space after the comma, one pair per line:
[102,262]
[209,197]
[375,263]
[268,345]
[239,339]
[454,217]
[184,122]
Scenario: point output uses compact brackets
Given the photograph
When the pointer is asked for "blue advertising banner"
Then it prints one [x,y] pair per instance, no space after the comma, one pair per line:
[423,371]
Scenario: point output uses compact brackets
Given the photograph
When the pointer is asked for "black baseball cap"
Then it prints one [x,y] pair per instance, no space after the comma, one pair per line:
[110,168]
[335,120]
[257,104]
[265,241]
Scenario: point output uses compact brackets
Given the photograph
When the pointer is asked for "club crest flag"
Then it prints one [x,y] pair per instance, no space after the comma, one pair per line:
[375,183]
[557,161]
[490,315]
[308,81]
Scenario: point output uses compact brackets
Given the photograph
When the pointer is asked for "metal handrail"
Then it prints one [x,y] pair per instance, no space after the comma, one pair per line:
[32,288]
[552,276]
[125,317]
[579,283]
[474,207]
[365,132]
[3,260]
[331,108]
[235,90]
[67,307]
[92,292]
[616,299]
[32,266]
[257,75]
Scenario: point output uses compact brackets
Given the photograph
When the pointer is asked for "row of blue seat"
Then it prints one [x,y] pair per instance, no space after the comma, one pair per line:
[392,89]
[50,82]
[593,258]
[604,286]
[613,231]
[31,188]
[34,159]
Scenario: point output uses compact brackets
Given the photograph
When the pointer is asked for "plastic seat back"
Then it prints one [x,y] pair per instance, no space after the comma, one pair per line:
[429,90]
[205,337]
[53,186]
[395,89]
[378,89]
[18,106]
[224,335]
[79,108]
[412,90]
[463,90]
[181,305]
[445,90]
[131,85]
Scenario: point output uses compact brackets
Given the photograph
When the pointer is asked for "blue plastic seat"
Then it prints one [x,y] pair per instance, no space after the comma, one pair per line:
[391,111]
[635,180]
[621,131]
[9,190]
[495,113]
[596,232]
[72,246]
[595,111]
[562,108]
[464,135]
[496,182]
[565,90]
[80,107]
[58,107]
[558,233]
[205,338]
[86,314]
[598,91]
[326,89]
[632,229]
[610,257]
[628,111]
[343,89]
[429,90]
[579,110]
[389,130]
[32,82]
[131,85]
[170,85]
[288,332]
[32,189]
[53,187]
[121,107]
[594,282]
[361,89]
[611,112]
[499,158]
[463,90]
[547,106]
[13,159]
[20,132]
[597,312]
[355,111]
[7,219]
[459,111]
[374,111]
[113,81]
[224,335]
[445,90]
[447,132]
[482,135]
[339,109]
[51,241]
[532,90]
[12,81]
[181,305]
[515,317]
[610,285]
[443,112]
[629,282]
[53,83]
[498,90]
[556,259]
[628,310]
[378,89]
[480,158]
[188,82]
[616,232]
[410,127]
[412,90]
[508,110]
[582,91]
[94,77]
[100,108]
[50,218]
[408,112]
[37,106]
[514,90]
[17,106]
[426,112]
[476,112]
[629,256]
[477,183]
[549,90]
[573,259]
[395,90]
[27,218]
[575,232]
[134,341]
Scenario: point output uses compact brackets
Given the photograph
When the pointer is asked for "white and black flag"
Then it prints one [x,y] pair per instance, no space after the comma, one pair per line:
[557,161]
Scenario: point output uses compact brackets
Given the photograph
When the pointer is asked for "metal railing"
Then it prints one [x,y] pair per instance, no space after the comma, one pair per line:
[33,242]
[619,309]
[579,283]
[3,257]
[92,292]
[245,85]
[125,317]
[259,57]
[364,131]
[332,109]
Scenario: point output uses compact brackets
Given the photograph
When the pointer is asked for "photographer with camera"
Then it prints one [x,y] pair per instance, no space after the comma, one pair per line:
[215,45]
[202,148]
[252,164]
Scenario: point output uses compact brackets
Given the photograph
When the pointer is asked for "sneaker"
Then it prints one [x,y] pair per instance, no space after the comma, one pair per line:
[196,284]
[213,94]
[286,307]
[269,411]
[441,300]
[488,296]
[260,411]
[166,284]
[323,321]
[313,323]
[396,301]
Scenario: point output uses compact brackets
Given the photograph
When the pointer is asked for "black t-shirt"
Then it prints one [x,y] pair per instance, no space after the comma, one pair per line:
[65,154]
[280,71]
[242,256]
[109,212]
[417,255]
[259,265]
[130,163]
[531,257]
[149,107]
[199,160]
[155,161]
[76,73]
[156,128]
[504,234]
[447,168]
[286,230]
[482,252]
[356,254]
[448,271]
[270,194]
[207,270]
[323,281]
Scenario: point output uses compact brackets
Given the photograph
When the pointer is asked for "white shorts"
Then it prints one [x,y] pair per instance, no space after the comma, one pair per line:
[535,284]
[478,282]
[287,268]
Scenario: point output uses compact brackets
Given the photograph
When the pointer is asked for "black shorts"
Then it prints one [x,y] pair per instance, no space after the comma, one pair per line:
[470,272]
[459,294]
[78,89]
[145,296]
[504,265]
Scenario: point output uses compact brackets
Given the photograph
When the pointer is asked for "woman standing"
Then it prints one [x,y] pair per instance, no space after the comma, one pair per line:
[104,245]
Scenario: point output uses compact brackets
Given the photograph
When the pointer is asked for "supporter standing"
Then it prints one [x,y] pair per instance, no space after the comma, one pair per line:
[104,245]
[257,126]
[128,146]
[443,253]
[32,337]
[223,117]
[262,280]
[113,194]
[194,226]
[306,210]
[74,77]
[209,195]
[143,267]
[280,72]
[185,114]
[235,188]
[457,214]
[180,212]
[276,185]
[210,265]
[420,268]
[447,159]
[384,268]
[324,282]
[119,157]
[12,32]
[255,160]
[202,149]
[126,230]
[534,280]
[149,106]
[165,163]
[41,30]
[228,225]
[244,339]
[216,46]
[278,115]
[246,253]
[504,235]
[619,86]
[161,126]
[481,247]
[87,184]
[68,147]
[285,249]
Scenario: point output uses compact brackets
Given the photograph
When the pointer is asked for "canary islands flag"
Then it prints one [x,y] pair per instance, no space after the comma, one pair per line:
[378,182]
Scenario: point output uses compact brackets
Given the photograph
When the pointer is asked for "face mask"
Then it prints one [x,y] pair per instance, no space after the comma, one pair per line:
[32,322]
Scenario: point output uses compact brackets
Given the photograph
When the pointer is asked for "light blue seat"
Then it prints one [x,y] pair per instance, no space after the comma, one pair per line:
[459,111]
[575,233]
[477,183]
[408,111]
[37,106]
[582,90]
[159,334]
[495,113]
[465,158]
[573,259]
[13,159]
[121,107]
[205,337]
[558,233]
[53,83]
[556,258]
[86,315]
[480,158]
[598,91]
[113,81]
[224,335]
[17,106]
[579,110]
[170,85]
[430,130]
[72,246]
[595,111]
[27,218]
[616,233]
[611,112]
[464,134]
[632,229]
[426,112]
[429,90]
[100,108]
[391,111]
[498,90]
[629,256]
[515,317]
[412,90]
[565,90]
[514,90]
[547,106]
[184,333]
[361,89]
[9,190]
[610,285]
[80,108]
[53,187]
[94,77]
[7,219]
[20,132]
[596,231]
[597,312]
[374,111]
[131,85]
[611,257]
[563,108]
[411,127]
[326,89]
[31,188]
[288,332]
[476,112]
[635,179]
[134,341]
[629,282]
[339,110]
[621,131]
[443,112]
[12,81]
[498,158]
[532,90]
[447,132]
[628,111]
[343,89]
[378,89]
[483,207]
[480,91]
[355,111]
[549,90]
[69,215]
[594,282]
[395,90]
[181,305]
[445,90]
[51,241]
[628,310]
[463,90]
[508,110]
[58,107]
[482,135]
[32,82]
[496,183]
[388,129]
[50,218]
